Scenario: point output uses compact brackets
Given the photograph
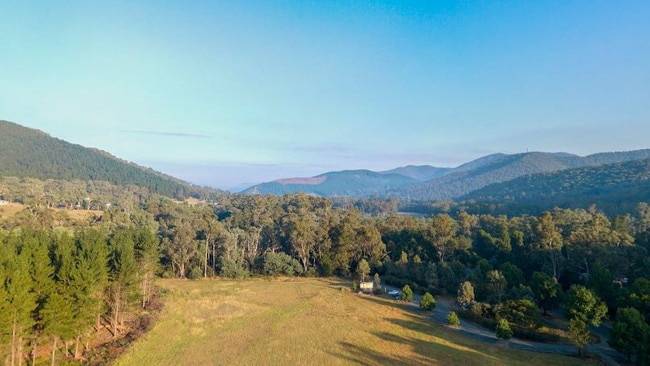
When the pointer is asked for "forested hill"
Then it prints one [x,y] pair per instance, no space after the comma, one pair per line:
[30,153]
[615,188]
[349,183]
[501,168]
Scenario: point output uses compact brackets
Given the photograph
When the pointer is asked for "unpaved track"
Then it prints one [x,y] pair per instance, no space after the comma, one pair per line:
[608,355]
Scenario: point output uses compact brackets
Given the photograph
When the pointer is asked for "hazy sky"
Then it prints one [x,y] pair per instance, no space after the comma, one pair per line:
[227,92]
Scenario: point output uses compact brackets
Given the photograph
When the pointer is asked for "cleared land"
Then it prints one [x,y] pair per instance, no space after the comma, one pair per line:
[304,322]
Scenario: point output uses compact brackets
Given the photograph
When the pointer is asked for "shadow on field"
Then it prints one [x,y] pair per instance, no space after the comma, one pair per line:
[387,301]
[365,356]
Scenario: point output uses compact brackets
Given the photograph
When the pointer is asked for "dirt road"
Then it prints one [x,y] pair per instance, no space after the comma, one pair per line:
[608,355]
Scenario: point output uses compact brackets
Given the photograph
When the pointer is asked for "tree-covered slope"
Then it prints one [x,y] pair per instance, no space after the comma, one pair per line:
[419,172]
[615,188]
[498,168]
[30,153]
[349,183]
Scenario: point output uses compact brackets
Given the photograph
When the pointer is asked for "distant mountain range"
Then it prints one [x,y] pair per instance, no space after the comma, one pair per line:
[427,183]
[30,153]
[514,183]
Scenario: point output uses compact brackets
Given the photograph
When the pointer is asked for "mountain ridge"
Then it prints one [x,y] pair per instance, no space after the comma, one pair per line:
[31,153]
[444,183]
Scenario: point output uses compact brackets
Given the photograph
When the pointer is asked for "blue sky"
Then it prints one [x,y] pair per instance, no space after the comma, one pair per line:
[227,92]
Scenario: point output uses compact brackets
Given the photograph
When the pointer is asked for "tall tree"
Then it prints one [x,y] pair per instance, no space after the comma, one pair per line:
[546,290]
[148,258]
[584,305]
[363,269]
[549,240]
[19,301]
[630,333]
[441,233]
[123,287]
[181,248]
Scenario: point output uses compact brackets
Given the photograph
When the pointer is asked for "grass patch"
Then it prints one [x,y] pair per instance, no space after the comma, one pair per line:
[304,321]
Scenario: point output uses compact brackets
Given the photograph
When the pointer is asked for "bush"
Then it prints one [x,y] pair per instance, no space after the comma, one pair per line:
[407,293]
[280,264]
[452,319]
[428,302]
[232,268]
[195,273]
[529,334]
[503,329]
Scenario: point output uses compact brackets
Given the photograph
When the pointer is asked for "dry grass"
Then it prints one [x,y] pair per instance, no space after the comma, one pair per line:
[10,209]
[304,322]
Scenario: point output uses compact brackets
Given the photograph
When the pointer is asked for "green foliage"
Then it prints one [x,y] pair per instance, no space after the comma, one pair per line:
[520,312]
[363,269]
[582,304]
[30,153]
[376,281]
[580,335]
[280,264]
[617,186]
[427,302]
[547,291]
[452,319]
[630,333]
[503,329]
[465,294]
[232,268]
[406,294]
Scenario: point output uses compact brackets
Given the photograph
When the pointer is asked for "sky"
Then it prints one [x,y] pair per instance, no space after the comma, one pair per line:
[224,93]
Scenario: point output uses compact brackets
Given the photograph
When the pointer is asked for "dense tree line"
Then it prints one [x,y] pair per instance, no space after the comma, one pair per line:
[59,287]
[500,267]
[26,152]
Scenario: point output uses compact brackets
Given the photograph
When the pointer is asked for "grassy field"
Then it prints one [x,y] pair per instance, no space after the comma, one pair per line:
[304,322]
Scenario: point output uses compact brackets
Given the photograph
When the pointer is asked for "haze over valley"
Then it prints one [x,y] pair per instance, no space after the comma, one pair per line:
[326,183]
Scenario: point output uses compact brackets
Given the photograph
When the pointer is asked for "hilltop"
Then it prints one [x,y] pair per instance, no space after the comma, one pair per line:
[31,153]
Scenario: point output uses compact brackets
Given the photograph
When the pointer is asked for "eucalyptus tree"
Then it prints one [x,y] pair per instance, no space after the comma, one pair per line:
[548,240]
[441,232]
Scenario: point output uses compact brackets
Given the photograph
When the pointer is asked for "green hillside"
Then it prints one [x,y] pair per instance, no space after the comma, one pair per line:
[615,188]
[348,183]
[30,153]
[495,169]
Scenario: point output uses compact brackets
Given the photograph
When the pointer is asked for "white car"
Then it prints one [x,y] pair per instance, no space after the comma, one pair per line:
[395,294]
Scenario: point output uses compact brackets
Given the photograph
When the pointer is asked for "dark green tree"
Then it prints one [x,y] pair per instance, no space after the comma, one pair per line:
[122,291]
[406,294]
[582,304]
[630,333]
[427,302]
[547,291]
[363,269]
[580,335]
[452,319]
[465,293]
[503,329]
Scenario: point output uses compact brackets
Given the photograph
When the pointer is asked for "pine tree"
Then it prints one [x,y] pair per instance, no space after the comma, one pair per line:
[57,320]
[36,248]
[123,287]
[19,302]
[148,257]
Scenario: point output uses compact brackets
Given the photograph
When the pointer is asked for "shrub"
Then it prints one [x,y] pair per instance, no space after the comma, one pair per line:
[232,268]
[407,293]
[503,329]
[427,302]
[195,273]
[280,264]
[452,319]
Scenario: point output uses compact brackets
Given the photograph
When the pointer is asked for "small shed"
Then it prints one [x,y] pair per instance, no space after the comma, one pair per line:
[366,286]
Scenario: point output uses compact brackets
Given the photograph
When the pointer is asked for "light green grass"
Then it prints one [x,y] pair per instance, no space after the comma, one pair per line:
[304,322]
